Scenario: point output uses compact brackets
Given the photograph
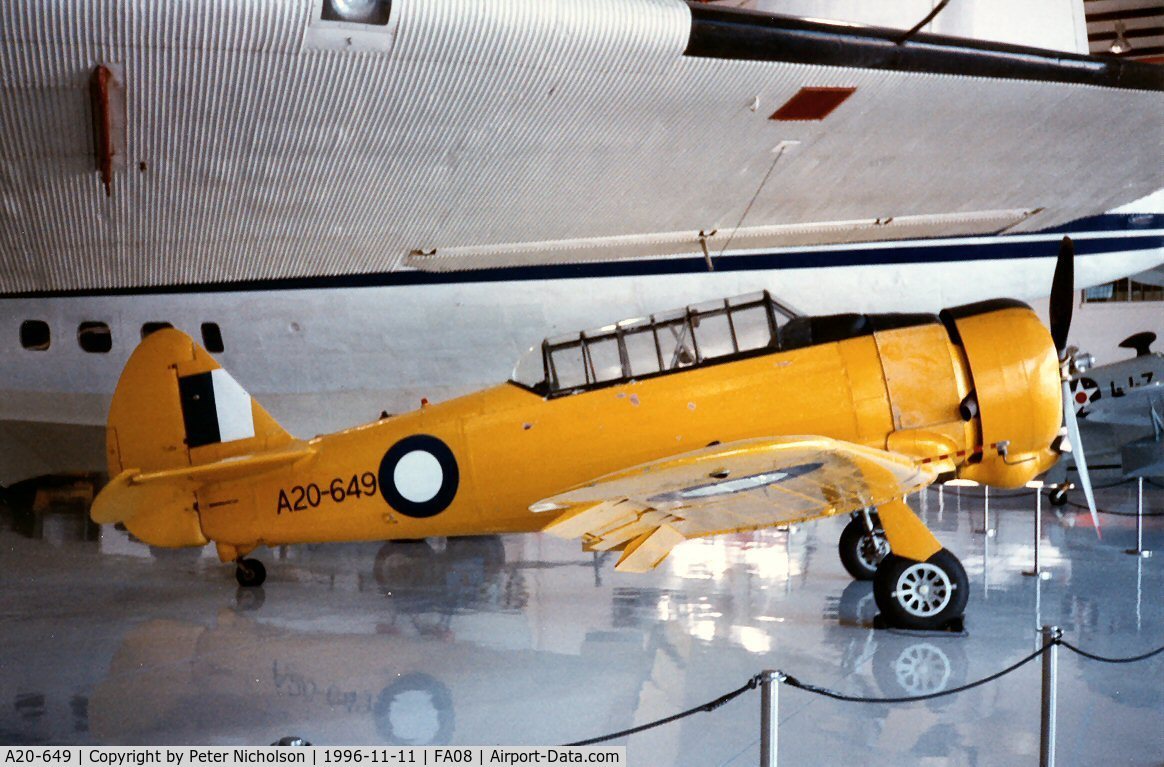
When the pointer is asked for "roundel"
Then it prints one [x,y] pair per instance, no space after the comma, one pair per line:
[419,476]
[1084,392]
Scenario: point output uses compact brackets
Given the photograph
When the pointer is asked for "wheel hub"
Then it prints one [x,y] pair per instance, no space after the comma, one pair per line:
[872,550]
[923,590]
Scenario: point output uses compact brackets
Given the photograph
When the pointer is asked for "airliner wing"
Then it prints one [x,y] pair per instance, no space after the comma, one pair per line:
[649,509]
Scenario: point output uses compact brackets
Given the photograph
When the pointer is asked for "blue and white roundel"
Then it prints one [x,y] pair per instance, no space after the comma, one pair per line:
[419,476]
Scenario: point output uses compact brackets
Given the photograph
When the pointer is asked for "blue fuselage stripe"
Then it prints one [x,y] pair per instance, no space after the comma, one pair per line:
[1095,236]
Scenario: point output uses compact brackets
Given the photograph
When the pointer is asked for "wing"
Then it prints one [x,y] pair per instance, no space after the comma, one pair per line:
[649,509]
[1140,406]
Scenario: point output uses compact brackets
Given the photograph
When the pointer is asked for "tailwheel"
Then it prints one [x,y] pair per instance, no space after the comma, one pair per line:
[863,545]
[921,595]
[250,573]
[1058,496]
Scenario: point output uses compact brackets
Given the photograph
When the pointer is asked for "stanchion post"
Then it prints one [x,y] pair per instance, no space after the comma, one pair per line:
[1051,637]
[1139,551]
[1140,514]
[1038,487]
[769,711]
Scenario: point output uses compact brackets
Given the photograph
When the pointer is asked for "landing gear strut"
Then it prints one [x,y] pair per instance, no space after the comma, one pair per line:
[863,545]
[921,595]
[250,573]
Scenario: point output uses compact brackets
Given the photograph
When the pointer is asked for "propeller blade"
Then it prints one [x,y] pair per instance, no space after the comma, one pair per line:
[1077,454]
[1063,295]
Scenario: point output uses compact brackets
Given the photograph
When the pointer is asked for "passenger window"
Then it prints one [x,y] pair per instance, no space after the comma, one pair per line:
[212,337]
[94,337]
[752,328]
[605,362]
[567,366]
[153,327]
[641,352]
[35,335]
[713,334]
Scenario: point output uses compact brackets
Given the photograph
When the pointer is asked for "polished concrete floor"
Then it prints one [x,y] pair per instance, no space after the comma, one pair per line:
[527,640]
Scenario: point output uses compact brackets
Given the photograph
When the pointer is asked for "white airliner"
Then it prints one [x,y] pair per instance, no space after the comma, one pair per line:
[366,203]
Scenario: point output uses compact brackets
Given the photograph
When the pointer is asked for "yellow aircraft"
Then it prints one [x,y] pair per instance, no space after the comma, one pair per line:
[714,419]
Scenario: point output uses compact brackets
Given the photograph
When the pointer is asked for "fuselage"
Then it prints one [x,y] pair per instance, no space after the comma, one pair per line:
[477,463]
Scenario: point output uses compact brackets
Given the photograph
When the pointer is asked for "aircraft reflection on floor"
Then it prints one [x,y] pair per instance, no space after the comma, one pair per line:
[357,688]
[525,640]
[386,688]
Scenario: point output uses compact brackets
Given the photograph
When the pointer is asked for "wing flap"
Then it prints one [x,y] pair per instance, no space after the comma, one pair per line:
[646,551]
[651,508]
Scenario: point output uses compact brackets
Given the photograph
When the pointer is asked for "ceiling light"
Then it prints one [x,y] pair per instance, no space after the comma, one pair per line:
[1120,45]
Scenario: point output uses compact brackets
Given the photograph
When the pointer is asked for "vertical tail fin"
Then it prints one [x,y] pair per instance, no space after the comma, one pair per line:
[175,406]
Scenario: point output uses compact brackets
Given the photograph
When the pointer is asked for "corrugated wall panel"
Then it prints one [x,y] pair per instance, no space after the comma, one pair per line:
[493,122]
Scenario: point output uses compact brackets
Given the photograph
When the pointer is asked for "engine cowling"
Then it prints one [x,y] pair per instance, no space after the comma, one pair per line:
[1016,389]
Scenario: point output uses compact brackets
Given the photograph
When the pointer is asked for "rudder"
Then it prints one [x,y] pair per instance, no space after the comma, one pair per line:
[175,408]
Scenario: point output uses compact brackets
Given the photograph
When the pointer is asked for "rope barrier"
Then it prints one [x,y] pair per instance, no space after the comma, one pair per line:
[705,708]
[792,681]
[1107,659]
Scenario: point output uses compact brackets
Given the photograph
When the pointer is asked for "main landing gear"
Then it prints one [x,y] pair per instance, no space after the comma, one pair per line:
[250,573]
[863,545]
[917,584]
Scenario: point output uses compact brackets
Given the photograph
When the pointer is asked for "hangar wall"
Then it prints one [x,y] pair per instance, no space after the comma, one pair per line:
[1054,24]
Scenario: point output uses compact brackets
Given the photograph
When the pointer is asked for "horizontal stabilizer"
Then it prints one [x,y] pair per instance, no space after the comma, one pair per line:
[227,469]
[161,513]
[160,507]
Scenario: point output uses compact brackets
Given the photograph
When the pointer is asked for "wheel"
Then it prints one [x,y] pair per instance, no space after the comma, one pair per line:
[921,595]
[1058,496]
[250,573]
[860,551]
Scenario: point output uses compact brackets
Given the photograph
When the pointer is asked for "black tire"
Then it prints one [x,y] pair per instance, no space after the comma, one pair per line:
[860,552]
[250,573]
[921,595]
[1058,496]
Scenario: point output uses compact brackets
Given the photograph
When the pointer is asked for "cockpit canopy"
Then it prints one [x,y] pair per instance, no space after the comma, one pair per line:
[649,346]
[703,334]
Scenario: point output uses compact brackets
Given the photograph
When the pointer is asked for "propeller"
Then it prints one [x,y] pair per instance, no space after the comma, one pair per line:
[1061,307]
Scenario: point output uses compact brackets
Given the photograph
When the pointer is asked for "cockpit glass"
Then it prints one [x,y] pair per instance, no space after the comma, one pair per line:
[530,369]
[605,360]
[663,342]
